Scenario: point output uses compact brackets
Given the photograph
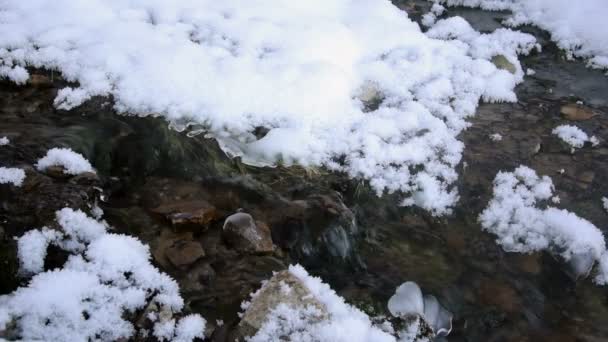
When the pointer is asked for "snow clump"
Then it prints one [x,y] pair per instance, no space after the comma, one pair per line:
[11,175]
[73,163]
[519,216]
[574,136]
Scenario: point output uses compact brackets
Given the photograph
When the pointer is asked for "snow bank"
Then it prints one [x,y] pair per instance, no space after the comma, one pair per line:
[11,175]
[574,136]
[576,26]
[296,68]
[523,223]
[72,162]
[106,277]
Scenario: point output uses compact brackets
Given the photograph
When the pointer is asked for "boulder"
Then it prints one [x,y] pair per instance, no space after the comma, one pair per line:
[245,234]
[282,288]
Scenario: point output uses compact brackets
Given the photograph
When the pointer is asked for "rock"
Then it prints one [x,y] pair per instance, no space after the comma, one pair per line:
[188,213]
[57,171]
[38,80]
[576,112]
[501,62]
[247,235]
[284,288]
[184,253]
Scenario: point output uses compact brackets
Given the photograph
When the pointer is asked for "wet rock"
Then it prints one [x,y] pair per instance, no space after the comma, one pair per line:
[501,62]
[576,112]
[184,253]
[246,235]
[500,295]
[197,213]
[282,288]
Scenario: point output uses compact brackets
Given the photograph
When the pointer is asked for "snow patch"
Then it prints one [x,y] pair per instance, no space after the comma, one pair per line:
[4,141]
[574,136]
[72,162]
[519,216]
[11,175]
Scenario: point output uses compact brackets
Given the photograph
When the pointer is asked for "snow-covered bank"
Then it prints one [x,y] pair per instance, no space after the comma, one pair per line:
[299,69]
[576,26]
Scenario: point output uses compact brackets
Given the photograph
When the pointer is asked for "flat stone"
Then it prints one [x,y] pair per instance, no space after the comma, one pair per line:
[184,253]
[245,234]
[576,112]
[284,288]
[185,213]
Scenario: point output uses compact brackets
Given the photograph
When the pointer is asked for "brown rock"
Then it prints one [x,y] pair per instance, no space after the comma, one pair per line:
[187,213]
[284,288]
[57,171]
[247,235]
[38,80]
[576,112]
[183,253]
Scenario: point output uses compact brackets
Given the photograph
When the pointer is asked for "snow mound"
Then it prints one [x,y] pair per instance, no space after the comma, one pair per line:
[72,162]
[11,175]
[574,136]
[576,27]
[523,223]
[298,69]
[106,278]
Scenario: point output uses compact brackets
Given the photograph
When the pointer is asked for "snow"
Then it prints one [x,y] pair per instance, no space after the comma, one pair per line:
[105,278]
[296,68]
[574,136]
[32,247]
[605,203]
[519,216]
[575,26]
[11,175]
[4,141]
[72,162]
[496,137]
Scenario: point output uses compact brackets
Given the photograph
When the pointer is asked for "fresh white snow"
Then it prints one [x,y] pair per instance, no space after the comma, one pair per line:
[574,136]
[4,141]
[11,175]
[72,162]
[106,276]
[519,216]
[576,26]
[297,68]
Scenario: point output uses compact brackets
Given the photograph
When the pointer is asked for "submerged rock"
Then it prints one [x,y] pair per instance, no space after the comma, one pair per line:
[501,62]
[246,235]
[576,112]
